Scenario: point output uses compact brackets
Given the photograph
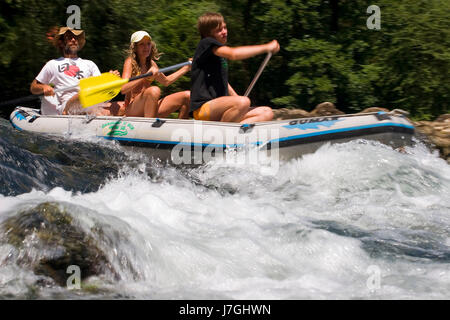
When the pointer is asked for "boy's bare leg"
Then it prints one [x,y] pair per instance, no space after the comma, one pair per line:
[258,114]
[228,108]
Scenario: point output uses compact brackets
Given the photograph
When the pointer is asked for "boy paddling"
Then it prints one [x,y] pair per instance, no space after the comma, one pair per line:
[212,97]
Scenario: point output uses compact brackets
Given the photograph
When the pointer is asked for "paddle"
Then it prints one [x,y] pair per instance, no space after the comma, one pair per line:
[32,97]
[258,73]
[99,89]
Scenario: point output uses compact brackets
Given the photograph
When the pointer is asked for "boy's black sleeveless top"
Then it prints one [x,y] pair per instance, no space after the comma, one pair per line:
[209,74]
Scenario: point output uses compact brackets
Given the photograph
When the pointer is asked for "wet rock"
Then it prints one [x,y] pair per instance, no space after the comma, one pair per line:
[284,113]
[48,240]
[424,127]
[443,118]
[438,133]
[374,109]
[325,109]
[322,109]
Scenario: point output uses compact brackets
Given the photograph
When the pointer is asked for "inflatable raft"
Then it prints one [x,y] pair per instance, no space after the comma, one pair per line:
[192,141]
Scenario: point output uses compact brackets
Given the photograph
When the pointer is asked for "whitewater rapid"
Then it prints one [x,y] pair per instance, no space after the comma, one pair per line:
[351,221]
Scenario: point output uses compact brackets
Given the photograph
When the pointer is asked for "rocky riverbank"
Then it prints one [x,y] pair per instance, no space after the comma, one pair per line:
[435,133]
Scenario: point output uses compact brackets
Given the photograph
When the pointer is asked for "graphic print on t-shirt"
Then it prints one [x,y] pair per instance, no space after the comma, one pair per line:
[71,70]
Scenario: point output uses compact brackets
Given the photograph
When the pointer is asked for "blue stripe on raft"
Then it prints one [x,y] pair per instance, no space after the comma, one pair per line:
[343,130]
[259,142]
[15,126]
[17,115]
[176,142]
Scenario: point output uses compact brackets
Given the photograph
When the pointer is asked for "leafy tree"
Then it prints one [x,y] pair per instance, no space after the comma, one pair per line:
[327,52]
[172,26]
[414,56]
[23,44]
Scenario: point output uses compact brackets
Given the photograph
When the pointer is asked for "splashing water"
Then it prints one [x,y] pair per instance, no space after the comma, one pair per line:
[351,221]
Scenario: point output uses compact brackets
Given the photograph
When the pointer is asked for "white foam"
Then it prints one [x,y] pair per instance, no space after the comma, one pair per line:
[237,232]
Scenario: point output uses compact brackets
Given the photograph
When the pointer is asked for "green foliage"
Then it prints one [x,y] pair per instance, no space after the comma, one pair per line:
[323,71]
[414,56]
[23,46]
[315,66]
[327,52]
[173,29]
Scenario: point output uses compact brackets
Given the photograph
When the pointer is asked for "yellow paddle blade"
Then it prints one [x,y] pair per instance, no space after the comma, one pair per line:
[98,89]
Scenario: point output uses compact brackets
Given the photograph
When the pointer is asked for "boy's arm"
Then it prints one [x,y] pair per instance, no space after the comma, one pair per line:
[245,52]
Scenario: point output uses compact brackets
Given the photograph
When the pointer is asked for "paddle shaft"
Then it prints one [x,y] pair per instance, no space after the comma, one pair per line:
[260,70]
[176,66]
[32,97]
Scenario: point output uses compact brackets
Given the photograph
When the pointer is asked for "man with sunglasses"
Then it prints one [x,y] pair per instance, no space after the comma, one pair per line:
[66,72]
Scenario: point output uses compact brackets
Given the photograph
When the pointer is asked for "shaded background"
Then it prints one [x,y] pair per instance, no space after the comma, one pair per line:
[327,52]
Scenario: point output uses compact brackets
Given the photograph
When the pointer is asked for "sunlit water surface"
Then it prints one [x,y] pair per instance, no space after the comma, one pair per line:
[351,221]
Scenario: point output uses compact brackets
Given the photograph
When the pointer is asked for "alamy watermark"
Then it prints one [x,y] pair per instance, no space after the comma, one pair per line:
[374,21]
[373,283]
[243,144]
[74,281]
[74,20]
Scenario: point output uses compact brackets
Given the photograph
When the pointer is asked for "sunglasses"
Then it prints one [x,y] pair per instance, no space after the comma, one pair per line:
[70,35]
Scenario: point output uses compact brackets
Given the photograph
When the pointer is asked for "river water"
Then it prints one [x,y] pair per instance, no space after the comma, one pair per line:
[350,221]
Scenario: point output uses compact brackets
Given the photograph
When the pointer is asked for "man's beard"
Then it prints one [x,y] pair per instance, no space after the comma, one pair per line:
[71,51]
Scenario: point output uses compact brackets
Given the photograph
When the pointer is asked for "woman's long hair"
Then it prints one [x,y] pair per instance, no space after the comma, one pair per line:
[131,52]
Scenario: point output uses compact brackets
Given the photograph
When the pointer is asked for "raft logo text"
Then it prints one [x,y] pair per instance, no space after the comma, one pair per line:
[116,128]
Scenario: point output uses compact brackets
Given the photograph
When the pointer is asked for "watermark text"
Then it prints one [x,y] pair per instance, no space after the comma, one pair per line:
[74,20]
[74,281]
[374,21]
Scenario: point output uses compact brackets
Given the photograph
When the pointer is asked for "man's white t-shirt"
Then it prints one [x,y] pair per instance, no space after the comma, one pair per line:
[64,72]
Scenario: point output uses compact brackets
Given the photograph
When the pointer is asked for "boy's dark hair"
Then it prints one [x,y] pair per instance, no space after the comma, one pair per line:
[208,22]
